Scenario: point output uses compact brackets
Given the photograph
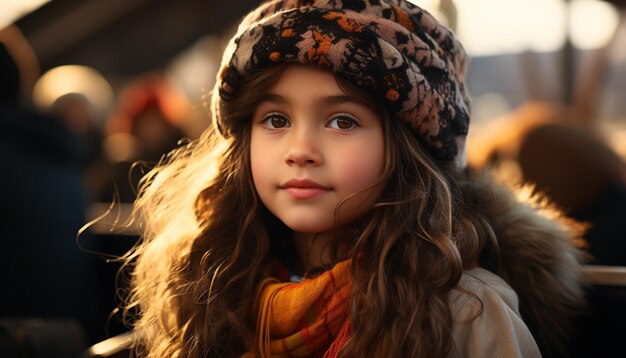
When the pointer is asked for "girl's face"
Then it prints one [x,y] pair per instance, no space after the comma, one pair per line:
[313,146]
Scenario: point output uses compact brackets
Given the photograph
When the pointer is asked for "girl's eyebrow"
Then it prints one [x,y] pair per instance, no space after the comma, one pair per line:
[340,99]
[274,98]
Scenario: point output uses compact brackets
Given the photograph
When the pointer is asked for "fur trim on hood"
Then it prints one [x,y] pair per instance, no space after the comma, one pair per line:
[540,256]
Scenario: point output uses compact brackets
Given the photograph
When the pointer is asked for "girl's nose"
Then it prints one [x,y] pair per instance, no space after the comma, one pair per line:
[303,150]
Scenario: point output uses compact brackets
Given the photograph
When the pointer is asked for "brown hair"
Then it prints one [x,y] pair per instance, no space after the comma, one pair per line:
[415,254]
[207,236]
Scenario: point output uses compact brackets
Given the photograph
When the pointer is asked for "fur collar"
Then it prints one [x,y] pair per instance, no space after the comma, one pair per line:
[539,255]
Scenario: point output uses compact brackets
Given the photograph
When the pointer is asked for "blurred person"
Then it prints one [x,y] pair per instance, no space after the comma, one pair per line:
[581,174]
[547,147]
[78,113]
[496,145]
[145,125]
[45,273]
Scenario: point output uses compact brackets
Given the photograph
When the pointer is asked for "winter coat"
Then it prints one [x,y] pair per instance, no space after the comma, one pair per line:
[540,257]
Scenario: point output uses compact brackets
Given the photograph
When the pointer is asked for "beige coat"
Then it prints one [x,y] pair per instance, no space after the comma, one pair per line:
[538,256]
[486,319]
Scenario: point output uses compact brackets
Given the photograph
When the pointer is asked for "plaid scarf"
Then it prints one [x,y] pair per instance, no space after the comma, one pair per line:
[304,319]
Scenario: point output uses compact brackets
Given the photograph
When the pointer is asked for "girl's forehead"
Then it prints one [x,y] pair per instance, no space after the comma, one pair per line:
[310,78]
[298,82]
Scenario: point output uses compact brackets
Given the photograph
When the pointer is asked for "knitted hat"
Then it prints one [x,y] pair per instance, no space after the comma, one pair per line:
[391,48]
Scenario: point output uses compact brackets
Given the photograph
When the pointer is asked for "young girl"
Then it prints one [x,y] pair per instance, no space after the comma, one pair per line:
[328,210]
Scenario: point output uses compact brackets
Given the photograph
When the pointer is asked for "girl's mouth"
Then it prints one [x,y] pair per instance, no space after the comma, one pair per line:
[304,188]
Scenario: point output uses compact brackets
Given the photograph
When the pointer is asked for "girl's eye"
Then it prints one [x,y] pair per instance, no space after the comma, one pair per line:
[275,121]
[343,122]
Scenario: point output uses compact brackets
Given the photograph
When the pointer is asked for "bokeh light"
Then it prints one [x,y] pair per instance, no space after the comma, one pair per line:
[73,79]
[493,27]
[14,9]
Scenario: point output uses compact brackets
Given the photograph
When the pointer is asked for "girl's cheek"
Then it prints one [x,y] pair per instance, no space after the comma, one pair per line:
[362,173]
[363,169]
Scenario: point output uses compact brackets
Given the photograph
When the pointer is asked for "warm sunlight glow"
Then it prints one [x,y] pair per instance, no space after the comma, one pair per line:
[14,9]
[489,27]
[593,23]
[112,345]
[67,79]
[618,141]
[492,27]
[120,147]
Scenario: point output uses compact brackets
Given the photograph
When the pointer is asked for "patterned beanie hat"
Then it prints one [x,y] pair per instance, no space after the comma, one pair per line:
[391,48]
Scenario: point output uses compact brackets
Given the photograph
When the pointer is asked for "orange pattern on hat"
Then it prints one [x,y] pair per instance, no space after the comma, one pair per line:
[346,23]
[392,95]
[403,18]
[287,33]
[275,56]
[319,54]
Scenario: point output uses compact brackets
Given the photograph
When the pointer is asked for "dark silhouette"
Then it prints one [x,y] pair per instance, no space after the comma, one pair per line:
[144,126]
[582,175]
[47,278]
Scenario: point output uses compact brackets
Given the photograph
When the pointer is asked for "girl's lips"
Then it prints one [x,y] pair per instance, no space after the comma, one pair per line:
[305,193]
[304,188]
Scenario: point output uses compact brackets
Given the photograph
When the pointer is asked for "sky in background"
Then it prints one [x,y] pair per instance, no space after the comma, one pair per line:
[492,27]
[486,27]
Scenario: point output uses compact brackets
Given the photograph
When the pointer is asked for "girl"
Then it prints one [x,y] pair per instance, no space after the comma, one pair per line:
[328,210]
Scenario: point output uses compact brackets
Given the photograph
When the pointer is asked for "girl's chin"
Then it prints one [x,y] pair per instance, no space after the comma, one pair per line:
[308,221]
[305,229]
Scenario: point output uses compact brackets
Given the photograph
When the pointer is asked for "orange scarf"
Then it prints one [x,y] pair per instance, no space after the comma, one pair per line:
[304,319]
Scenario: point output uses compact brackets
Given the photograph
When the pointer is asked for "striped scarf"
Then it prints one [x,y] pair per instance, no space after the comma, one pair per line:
[309,318]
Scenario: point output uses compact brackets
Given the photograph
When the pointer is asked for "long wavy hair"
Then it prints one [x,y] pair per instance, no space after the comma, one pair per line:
[206,236]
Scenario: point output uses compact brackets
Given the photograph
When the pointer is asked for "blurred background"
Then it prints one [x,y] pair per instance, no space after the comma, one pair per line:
[94,92]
